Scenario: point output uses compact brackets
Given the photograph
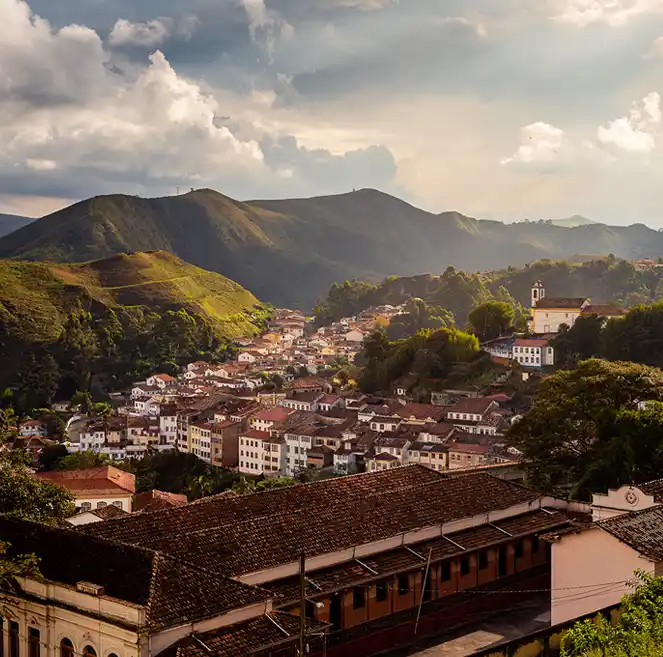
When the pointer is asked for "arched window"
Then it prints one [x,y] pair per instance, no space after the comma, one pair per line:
[118,504]
[112,655]
[101,505]
[86,506]
[89,651]
[66,648]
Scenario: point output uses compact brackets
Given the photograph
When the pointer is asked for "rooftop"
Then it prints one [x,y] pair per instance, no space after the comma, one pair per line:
[572,303]
[104,478]
[641,530]
[263,530]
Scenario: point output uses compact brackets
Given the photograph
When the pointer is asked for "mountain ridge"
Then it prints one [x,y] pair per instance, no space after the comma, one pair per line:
[11,222]
[289,251]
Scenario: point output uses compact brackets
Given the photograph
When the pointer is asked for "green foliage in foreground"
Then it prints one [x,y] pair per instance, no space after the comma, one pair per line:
[638,633]
[24,496]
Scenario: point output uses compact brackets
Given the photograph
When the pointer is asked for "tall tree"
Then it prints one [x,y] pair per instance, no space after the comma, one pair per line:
[491,319]
[565,434]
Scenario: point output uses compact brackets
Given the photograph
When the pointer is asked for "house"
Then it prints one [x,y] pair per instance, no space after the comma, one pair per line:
[225,442]
[246,358]
[265,420]
[319,457]
[467,455]
[329,402]
[95,488]
[32,428]
[298,441]
[345,461]
[161,381]
[260,453]
[367,540]
[96,515]
[430,455]
[200,440]
[302,401]
[419,413]
[353,336]
[532,352]
[157,500]
[606,310]
[600,559]
[381,461]
[384,423]
[549,313]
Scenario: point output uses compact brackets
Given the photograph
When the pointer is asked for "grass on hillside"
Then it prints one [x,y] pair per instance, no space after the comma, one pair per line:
[35,297]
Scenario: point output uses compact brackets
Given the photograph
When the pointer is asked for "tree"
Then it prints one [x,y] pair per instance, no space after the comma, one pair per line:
[50,456]
[24,496]
[102,410]
[16,566]
[81,461]
[81,400]
[491,319]
[638,631]
[579,342]
[570,428]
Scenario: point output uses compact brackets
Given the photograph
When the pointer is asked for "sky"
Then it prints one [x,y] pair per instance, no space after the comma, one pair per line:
[506,109]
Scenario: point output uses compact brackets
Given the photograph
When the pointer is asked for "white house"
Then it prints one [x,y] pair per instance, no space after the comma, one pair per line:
[297,444]
[32,428]
[161,380]
[530,352]
[261,453]
[549,313]
[246,358]
[353,336]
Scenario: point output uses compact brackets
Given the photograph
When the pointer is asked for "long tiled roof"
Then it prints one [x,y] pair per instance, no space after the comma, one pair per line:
[255,532]
[561,302]
[242,639]
[642,530]
[172,591]
[653,488]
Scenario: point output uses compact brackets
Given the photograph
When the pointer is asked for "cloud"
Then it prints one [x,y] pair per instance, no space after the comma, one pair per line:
[150,33]
[266,26]
[633,133]
[615,13]
[141,129]
[540,142]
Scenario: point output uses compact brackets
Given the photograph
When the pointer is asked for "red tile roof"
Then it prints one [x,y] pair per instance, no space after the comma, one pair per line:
[104,478]
[276,414]
[157,500]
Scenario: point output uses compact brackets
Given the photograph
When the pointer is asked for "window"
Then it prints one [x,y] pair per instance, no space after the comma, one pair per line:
[118,504]
[33,642]
[446,571]
[358,598]
[403,584]
[519,548]
[89,651]
[13,639]
[381,591]
[465,566]
[86,506]
[66,648]
[483,559]
[535,544]
[101,505]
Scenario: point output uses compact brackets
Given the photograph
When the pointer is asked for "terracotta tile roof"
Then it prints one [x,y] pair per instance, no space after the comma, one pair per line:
[572,303]
[173,592]
[263,530]
[157,500]
[476,406]
[642,530]
[605,310]
[255,434]
[653,488]
[105,478]
[276,414]
[522,342]
[243,638]
[468,448]
[420,411]
[108,511]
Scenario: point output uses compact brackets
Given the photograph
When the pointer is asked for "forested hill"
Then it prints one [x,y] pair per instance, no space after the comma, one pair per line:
[120,317]
[289,252]
[603,280]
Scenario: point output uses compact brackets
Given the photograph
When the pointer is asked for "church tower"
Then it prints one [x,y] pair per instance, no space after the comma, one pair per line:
[538,293]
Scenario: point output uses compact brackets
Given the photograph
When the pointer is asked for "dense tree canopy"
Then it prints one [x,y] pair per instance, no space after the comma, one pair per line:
[491,319]
[592,428]
[418,316]
[24,496]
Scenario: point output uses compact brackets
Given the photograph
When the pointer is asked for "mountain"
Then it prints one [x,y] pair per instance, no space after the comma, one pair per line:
[573,222]
[288,252]
[11,222]
[37,298]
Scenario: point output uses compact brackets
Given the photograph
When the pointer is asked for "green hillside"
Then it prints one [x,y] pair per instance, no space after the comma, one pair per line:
[115,320]
[288,252]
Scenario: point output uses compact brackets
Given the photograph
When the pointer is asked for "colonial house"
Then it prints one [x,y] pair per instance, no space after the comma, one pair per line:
[467,455]
[302,401]
[225,442]
[532,352]
[298,441]
[95,488]
[32,428]
[265,420]
[430,455]
[353,336]
[161,381]
[381,461]
[549,313]
[200,440]
[260,453]
[626,499]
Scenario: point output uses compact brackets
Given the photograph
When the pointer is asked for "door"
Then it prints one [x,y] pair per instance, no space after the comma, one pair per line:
[335,613]
[501,562]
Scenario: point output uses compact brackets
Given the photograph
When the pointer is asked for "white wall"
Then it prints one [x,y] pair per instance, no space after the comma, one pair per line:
[620,501]
[585,567]
[547,320]
[125,498]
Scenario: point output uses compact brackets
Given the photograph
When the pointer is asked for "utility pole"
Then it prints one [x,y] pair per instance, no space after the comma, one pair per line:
[302,603]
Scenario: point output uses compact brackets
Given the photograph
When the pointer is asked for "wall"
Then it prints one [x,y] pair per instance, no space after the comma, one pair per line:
[553,320]
[617,502]
[585,567]
[123,497]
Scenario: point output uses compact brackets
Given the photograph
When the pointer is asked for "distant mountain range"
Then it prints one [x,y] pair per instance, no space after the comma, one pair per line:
[11,222]
[288,252]
[573,222]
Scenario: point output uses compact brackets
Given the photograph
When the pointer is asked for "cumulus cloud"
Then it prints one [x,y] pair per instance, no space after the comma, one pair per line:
[615,13]
[634,133]
[265,25]
[540,142]
[147,129]
[150,33]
